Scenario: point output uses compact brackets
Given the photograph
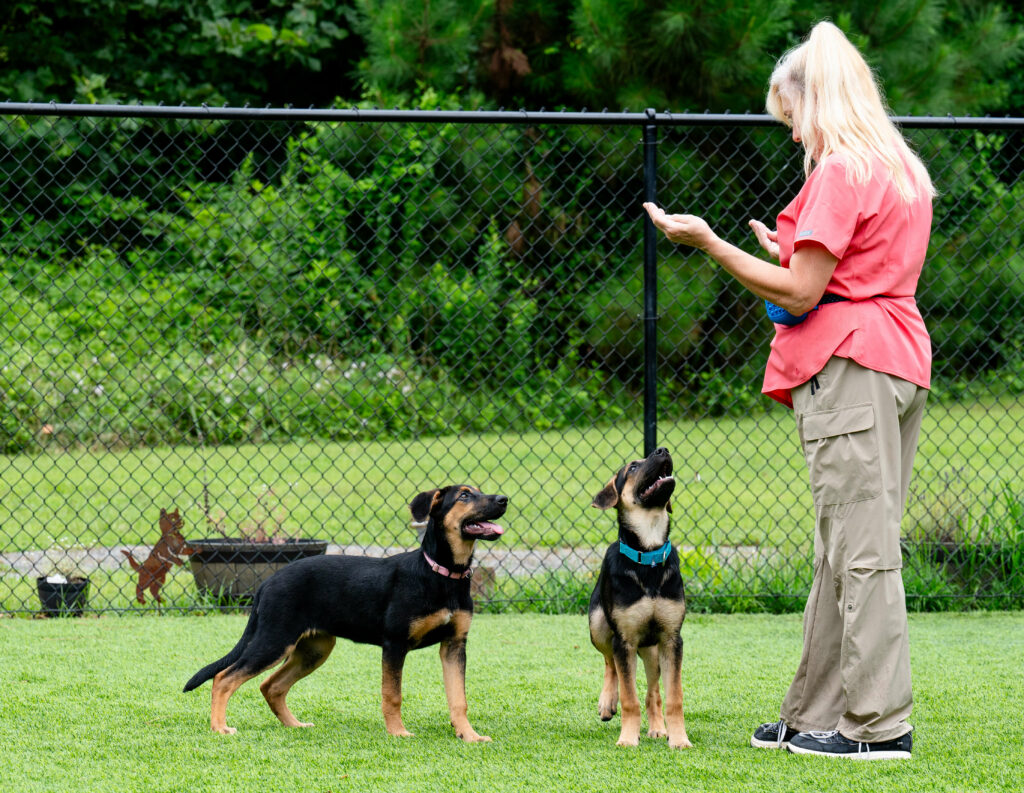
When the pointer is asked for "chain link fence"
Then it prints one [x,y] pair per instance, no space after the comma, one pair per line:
[229,335]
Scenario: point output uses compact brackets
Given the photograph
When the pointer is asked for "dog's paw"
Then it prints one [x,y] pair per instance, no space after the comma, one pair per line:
[680,743]
[628,740]
[474,738]
[225,730]
[403,733]
[606,710]
[656,732]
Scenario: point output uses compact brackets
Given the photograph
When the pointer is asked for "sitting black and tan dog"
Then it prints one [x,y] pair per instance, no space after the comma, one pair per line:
[400,603]
[638,606]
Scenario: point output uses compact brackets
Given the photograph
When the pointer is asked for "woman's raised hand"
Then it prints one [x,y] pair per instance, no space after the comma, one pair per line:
[684,229]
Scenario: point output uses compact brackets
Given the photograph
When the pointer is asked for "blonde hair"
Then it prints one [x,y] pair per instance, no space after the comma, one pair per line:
[841,109]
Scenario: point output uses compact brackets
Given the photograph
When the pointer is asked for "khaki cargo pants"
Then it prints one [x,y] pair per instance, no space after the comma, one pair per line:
[859,431]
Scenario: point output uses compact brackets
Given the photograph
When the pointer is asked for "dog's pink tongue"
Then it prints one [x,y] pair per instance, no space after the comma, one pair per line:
[491,528]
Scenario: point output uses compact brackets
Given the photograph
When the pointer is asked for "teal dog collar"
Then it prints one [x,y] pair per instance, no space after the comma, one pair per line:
[648,557]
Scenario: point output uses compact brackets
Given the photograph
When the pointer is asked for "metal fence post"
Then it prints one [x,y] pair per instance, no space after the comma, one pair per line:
[650,316]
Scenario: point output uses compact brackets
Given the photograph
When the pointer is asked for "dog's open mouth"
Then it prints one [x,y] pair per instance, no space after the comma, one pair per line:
[656,491]
[483,529]
[658,483]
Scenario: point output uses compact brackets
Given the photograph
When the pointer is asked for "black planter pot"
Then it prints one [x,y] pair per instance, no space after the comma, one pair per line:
[63,600]
[231,570]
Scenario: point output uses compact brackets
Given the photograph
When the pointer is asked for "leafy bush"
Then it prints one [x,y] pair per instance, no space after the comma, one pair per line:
[972,287]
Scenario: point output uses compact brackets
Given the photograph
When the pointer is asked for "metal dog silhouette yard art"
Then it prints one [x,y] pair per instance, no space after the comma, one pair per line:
[165,554]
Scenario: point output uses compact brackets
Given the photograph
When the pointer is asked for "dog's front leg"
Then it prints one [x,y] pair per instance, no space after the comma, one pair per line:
[453,667]
[652,667]
[625,667]
[671,655]
[393,661]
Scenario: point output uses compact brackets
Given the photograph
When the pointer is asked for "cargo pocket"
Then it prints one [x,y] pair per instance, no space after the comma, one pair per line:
[841,448]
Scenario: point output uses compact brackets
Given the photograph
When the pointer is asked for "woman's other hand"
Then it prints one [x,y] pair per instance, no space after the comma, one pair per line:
[768,239]
[684,229]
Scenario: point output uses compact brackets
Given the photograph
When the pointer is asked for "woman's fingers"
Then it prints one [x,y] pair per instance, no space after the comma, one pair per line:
[683,229]
[667,223]
[763,232]
[657,215]
[767,238]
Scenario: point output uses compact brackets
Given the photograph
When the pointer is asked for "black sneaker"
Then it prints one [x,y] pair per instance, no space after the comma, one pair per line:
[833,744]
[772,735]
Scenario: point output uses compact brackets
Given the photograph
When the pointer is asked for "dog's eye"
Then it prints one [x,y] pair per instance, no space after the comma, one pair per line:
[632,467]
[463,496]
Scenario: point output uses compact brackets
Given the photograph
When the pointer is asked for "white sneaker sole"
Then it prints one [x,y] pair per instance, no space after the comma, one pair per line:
[882,755]
[759,744]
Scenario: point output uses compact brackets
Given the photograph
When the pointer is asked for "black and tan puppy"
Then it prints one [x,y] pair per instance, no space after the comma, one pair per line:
[400,603]
[638,606]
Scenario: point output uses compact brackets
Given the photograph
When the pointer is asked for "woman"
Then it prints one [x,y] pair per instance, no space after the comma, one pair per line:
[856,372]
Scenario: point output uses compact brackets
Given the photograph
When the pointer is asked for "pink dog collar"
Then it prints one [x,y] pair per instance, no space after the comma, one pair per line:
[444,570]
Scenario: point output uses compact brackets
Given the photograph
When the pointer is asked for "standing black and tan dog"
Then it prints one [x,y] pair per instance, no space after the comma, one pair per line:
[638,605]
[400,603]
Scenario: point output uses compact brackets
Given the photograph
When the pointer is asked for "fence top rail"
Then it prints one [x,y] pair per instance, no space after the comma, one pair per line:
[648,117]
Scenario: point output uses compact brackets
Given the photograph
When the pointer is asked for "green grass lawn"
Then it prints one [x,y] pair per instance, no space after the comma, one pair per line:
[96,705]
[742,481]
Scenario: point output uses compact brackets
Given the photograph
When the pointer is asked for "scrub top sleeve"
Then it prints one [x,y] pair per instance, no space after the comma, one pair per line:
[830,212]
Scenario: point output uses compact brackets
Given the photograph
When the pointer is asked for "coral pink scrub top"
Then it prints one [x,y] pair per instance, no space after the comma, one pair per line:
[880,243]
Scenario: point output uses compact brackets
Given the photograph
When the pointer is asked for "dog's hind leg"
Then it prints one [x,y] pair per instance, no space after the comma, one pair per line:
[453,668]
[257,657]
[655,718]
[309,653]
[225,684]
[671,653]
[601,638]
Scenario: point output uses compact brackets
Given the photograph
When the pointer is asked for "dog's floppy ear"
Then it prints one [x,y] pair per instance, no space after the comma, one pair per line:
[608,497]
[423,504]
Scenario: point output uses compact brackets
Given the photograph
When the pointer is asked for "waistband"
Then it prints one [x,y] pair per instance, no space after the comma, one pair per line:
[830,298]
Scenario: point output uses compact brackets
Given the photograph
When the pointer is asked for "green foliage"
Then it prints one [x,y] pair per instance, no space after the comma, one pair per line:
[253,319]
[668,54]
[717,394]
[772,583]
[961,549]
[243,395]
[172,51]
[937,56]
[676,55]
[550,593]
[972,287]
[928,587]
[429,42]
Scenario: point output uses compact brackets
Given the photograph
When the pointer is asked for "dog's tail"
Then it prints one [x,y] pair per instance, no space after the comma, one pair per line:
[131,559]
[210,670]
